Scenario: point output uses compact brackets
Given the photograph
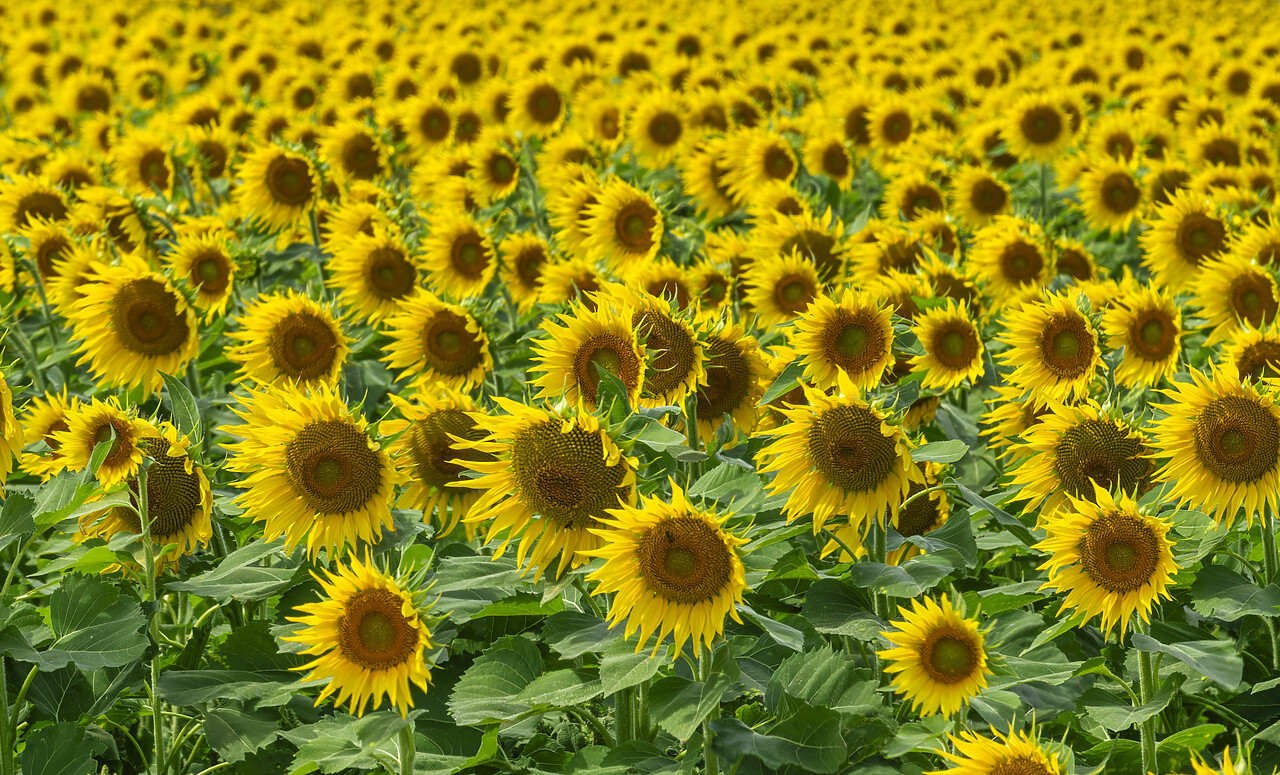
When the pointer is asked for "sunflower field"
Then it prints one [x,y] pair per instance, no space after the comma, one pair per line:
[861,388]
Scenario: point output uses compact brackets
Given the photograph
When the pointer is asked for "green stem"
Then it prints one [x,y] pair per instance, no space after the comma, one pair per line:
[318,257]
[1147,689]
[408,750]
[21,698]
[149,551]
[6,758]
[16,558]
[644,729]
[624,715]
[586,596]
[596,725]
[709,755]
[1044,194]
[1271,566]
[831,534]
[694,470]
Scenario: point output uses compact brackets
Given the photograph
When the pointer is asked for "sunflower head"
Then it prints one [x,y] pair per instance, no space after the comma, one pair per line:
[939,660]
[586,342]
[952,346]
[287,338]
[1017,753]
[850,335]
[1053,346]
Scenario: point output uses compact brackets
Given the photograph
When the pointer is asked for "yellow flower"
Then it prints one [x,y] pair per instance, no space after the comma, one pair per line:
[977,196]
[850,334]
[939,661]
[278,186]
[374,274]
[1017,752]
[1254,354]
[11,432]
[1111,559]
[205,263]
[1110,195]
[1185,234]
[96,422]
[286,338]
[737,376]
[782,287]
[437,342]
[42,417]
[1053,347]
[1037,128]
[952,347]
[624,227]
[1147,323]
[1233,292]
[459,256]
[354,152]
[525,256]
[588,341]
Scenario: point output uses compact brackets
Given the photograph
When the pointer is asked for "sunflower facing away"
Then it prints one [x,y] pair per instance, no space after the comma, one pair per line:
[134,324]
[1014,754]
[1221,440]
[572,356]
[311,471]
[938,660]
[95,422]
[1053,347]
[429,457]
[1111,559]
[674,569]
[553,480]
[1073,447]
[1147,323]
[287,338]
[839,456]
[367,636]
[952,347]
[850,334]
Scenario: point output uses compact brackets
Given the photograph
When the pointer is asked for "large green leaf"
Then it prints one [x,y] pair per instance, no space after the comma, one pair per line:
[572,633]
[186,415]
[339,742]
[93,627]
[1117,714]
[948,451]
[467,584]
[1224,594]
[193,687]
[235,733]
[239,577]
[824,678]
[59,749]
[571,686]
[834,608]
[1216,660]
[911,579]
[622,667]
[680,705]
[490,689]
[810,739]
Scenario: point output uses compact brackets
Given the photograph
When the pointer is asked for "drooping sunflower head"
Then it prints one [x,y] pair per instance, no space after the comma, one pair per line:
[1017,753]
[939,659]
[674,569]
[624,227]
[374,274]
[1184,235]
[459,256]
[279,186]
[437,342]
[850,335]
[206,264]
[1147,323]
[134,324]
[368,637]
[1233,292]
[287,338]
[581,346]
[1110,558]
[839,455]
[431,459]
[312,471]
[1053,346]
[1221,442]
[554,479]
[1072,448]
[953,349]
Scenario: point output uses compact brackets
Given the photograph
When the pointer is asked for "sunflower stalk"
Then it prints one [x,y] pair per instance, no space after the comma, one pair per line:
[1044,194]
[624,715]
[148,549]
[6,759]
[408,749]
[1147,689]
[708,754]
[1271,567]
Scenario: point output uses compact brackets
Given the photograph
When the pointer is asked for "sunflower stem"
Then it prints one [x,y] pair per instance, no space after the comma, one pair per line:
[6,758]
[691,430]
[157,706]
[1271,566]
[408,749]
[1147,689]
[623,715]
[318,256]
[586,597]
[1044,194]
[644,730]
[708,754]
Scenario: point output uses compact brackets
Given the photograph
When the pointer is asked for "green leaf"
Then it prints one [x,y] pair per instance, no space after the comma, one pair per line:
[235,733]
[926,734]
[522,604]
[490,689]
[339,742]
[17,516]
[467,584]
[948,451]
[824,679]
[1116,714]
[237,577]
[833,608]
[572,686]
[782,634]
[680,705]
[194,687]
[658,437]
[1216,660]
[572,634]
[785,383]
[732,486]
[1004,518]
[92,626]
[954,534]
[1222,593]
[186,415]
[621,667]
[1174,752]
[911,579]
[62,695]
[59,749]
[809,739]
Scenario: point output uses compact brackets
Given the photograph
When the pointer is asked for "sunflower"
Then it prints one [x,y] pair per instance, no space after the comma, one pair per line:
[12,432]
[104,210]
[95,422]
[1254,354]
[134,324]
[827,153]
[1110,195]
[178,498]
[658,128]
[288,338]
[374,274]
[1221,439]
[437,342]
[737,376]
[624,228]
[570,280]
[850,334]
[1185,234]
[1016,752]
[1074,260]
[26,199]
[1071,448]
[603,338]
[1053,346]
[675,359]
[524,257]
[1202,767]
[1259,242]
[143,164]
[205,263]
[952,346]
[494,167]
[891,122]
[429,123]
[354,152]
[921,516]
[1013,412]
[537,105]
[1009,258]
[1147,323]
[939,661]
[674,569]
[1035,127]
[1232,291]
[459,256]
[839,455]
[1110,558]
[704,178]
[754,158]
[913,196]
[42,417]
[712,286]
[429,457]
[977,196]
[817,239]
[278,187]
[368,636]
[664,279]
[310,469]
[569,212]
[782,287]
[554,479]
